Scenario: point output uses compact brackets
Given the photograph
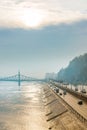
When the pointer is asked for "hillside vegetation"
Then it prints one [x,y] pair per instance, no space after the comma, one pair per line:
[76,72]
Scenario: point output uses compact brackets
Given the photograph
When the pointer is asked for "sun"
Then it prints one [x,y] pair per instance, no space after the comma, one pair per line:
[31,18]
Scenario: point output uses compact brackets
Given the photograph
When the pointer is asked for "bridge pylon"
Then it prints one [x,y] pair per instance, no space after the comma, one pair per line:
[19,80]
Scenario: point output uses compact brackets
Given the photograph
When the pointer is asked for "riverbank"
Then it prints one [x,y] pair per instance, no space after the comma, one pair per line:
[59,115]
[35,107]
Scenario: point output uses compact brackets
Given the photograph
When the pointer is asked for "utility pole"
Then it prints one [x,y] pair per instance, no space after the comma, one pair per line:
[19,81]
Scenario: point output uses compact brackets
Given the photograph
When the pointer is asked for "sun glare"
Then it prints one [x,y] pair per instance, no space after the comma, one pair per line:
[31,18]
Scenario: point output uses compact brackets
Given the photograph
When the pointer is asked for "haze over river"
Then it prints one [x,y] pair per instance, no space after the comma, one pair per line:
[22,108]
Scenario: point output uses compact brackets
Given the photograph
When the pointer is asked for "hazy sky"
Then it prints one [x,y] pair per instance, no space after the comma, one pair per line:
[39,36]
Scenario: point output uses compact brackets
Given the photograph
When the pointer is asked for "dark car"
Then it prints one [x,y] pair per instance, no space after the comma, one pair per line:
[83,91]
[60,93]
[80,102]
[57,90]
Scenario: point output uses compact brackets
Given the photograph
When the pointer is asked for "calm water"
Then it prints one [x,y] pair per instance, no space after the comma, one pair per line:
[22,108]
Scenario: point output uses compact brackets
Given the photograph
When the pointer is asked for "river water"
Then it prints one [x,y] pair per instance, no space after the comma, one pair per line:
[21,108]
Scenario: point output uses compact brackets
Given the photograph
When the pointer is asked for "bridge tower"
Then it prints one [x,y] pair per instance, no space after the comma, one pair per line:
[19,81]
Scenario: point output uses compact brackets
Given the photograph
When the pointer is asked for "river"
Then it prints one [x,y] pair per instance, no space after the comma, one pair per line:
[21,108]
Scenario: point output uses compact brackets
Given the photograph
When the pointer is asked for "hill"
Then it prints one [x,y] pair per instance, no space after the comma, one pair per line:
[75,72]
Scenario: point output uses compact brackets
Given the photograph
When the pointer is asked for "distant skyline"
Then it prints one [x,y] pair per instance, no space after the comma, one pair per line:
[41,36]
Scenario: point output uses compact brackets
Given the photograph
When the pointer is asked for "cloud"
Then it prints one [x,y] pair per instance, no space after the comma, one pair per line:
[47,49]
[15,14]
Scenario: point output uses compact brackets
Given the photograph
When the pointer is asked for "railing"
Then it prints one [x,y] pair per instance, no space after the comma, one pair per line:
[81,117]
[75,93]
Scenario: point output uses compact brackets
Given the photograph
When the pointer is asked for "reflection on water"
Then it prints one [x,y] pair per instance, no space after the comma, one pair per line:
[21,108]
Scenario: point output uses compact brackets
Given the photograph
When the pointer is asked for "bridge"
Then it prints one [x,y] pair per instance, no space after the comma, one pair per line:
[19,78]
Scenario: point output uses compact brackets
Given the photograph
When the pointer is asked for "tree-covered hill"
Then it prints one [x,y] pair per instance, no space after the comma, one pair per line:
[76,72]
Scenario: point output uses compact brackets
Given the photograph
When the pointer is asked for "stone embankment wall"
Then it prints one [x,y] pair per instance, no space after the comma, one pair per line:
[58,114]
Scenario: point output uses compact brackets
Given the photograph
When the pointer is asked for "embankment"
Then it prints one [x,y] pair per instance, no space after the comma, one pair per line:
[58,115]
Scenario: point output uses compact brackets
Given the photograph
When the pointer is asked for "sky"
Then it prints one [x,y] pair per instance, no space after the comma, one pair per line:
[41,36]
